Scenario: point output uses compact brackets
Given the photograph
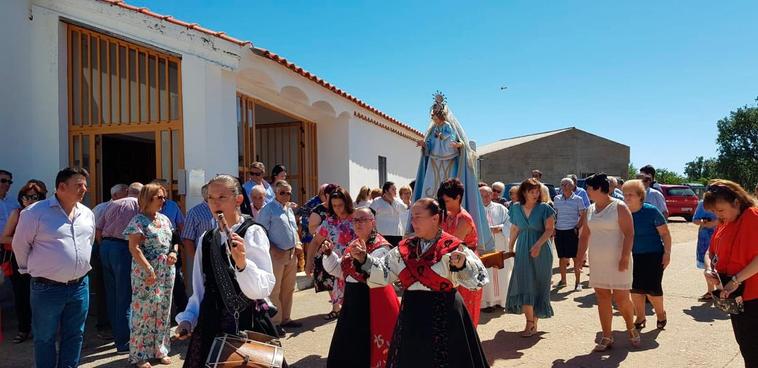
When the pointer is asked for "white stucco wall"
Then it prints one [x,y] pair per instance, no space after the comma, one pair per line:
[367,143]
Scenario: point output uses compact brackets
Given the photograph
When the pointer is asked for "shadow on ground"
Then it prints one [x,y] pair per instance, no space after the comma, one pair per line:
[508,345]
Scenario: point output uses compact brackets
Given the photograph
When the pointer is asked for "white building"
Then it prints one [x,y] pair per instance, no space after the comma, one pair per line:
[134,95]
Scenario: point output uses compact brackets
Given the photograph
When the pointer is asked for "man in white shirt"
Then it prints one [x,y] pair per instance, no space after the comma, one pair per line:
[495,293]
[389,210]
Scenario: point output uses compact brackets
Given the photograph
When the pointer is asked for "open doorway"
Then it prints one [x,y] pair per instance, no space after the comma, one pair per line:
[127,158]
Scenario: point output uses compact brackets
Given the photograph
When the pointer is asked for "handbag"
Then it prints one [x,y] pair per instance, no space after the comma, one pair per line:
[322,280]
[733,304]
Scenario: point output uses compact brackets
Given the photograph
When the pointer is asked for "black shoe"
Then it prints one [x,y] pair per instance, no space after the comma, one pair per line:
[488,309]
[105,335]
[280,331]
[291,324]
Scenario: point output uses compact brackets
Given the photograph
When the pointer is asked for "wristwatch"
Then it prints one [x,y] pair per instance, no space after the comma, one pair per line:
[734,278]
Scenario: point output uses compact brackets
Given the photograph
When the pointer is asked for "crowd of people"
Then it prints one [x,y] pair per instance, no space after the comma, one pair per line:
[241,247]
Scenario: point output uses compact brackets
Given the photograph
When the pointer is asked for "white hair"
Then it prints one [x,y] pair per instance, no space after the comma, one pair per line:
[118,188]
[498,184]
[567,180]
[134,189]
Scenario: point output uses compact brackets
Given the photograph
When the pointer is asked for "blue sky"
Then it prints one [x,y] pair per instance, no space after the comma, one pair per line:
[655,75]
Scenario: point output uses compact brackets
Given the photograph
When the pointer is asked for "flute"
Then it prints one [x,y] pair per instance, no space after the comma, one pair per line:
[223,226]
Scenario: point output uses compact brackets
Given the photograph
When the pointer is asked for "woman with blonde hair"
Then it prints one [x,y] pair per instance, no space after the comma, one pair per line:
[733,262]
[363,199]
[153,259]
[651,253]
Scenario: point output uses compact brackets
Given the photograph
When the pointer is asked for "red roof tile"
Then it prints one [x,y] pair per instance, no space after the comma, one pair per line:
[170,19]
[265,53]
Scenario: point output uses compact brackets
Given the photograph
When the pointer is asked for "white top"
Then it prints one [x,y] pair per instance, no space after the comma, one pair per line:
[362,204]
[256,280]
[657,199]
[384,271]
[48,244]
[332,263]
[605,245]
[388,216]
[498,218]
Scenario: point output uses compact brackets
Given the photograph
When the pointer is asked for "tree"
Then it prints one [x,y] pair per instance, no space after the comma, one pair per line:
[701,169]
[666,176]
[631,172]
[738,146]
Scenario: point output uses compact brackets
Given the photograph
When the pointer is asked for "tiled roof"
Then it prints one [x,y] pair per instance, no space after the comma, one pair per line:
[297,69]
[267,54]
[170,19]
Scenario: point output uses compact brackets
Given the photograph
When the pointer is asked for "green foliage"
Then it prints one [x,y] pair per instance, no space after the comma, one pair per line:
[738,146]
[701,170]
[666,176]
[631,172]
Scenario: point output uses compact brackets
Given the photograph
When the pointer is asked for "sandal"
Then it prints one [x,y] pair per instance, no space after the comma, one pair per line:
[529,331]
[165,360]
[639,326]
[21,337]
[661,323]
[332,315]
[634,338]
[604,344]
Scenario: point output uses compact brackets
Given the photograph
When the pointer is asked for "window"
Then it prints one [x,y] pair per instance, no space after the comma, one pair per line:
[382,170]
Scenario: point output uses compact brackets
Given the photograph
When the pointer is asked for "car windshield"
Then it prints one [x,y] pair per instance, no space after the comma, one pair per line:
[681,192]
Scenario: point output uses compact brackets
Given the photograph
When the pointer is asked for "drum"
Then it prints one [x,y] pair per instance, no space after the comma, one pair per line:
[496,259]
[256,350]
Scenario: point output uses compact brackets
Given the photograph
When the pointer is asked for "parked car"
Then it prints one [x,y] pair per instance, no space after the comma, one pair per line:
[698,188]
[681,200]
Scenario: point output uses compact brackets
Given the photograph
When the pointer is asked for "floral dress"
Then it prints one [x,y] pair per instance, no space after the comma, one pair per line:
[151,304]
[340,233]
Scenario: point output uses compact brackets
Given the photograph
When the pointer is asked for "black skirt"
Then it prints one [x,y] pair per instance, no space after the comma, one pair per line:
[351,342]
[647,274]
[434,330]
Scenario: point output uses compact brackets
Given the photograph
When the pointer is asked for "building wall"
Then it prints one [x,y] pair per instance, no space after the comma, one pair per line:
[368,142]
[573,151]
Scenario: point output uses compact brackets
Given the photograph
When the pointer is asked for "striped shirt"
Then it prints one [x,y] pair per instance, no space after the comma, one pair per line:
[199,220]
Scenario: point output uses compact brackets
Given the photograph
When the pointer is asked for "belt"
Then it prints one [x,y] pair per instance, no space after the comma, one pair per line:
[43,280]
[115,239]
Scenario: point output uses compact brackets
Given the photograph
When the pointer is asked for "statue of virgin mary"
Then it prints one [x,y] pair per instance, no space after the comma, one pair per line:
[446,153]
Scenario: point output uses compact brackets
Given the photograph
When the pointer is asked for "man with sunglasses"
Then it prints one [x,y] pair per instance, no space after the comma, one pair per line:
[7,204]
[255,177]
[497,193]
[279,220]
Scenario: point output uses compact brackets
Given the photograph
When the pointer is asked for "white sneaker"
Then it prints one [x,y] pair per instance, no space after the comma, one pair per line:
[578,287]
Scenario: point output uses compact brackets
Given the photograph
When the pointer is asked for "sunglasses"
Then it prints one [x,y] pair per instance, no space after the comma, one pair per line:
[6,181]
[30,197]
[160,197]
[253,173]
[285,193]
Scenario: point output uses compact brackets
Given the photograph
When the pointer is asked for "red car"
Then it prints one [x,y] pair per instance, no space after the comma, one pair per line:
[681,200]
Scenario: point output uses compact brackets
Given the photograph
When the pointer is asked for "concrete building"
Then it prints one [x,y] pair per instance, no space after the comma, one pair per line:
[135,95]
[555,153]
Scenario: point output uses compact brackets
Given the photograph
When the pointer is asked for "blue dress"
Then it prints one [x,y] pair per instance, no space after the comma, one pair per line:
[530,281]
[704,234]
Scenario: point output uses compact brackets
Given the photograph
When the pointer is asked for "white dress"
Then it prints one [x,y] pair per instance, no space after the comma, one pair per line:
[605,245]
[496,292]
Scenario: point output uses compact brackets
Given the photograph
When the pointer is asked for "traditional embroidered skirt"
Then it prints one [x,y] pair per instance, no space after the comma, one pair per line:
[434,330]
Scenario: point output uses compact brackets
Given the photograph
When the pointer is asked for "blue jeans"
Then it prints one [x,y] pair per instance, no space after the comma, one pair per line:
[117,269]
[55,306]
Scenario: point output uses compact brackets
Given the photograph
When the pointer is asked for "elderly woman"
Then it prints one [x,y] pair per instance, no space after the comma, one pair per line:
[31,192]
[533,224]
[734,258]
[368,315]
[338,229]
[433,328]
[651,253]
[608,233]
[459,223]
[241,276]
[153,259]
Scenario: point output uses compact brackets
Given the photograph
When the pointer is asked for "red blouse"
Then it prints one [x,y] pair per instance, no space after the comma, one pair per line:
[736,245]
[451,224]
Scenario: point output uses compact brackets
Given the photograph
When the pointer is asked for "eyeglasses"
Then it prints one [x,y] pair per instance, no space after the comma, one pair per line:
[253,173]
[285,193]
[30,197]
[160,197]
[362,220]
[6,181]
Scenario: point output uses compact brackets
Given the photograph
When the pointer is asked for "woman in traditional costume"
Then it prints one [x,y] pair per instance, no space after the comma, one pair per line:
[229,284]
[368,314]
[433,328]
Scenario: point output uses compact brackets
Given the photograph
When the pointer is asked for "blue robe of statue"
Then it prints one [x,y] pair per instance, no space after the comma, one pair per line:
[441,161]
